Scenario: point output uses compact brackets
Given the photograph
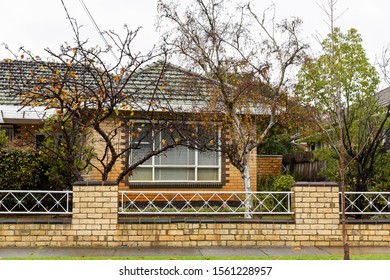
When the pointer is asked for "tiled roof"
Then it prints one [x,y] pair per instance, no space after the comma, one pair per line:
[159,80]
[384,97]
[7,96]
[165,81]
[16,74]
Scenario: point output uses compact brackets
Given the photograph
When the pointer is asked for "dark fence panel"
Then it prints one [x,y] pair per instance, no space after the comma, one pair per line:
[303,166]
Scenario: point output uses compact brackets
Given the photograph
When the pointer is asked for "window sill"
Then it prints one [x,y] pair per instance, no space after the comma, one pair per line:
[175,185]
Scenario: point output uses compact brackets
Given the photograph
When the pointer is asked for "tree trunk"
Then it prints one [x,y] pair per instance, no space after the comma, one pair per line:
[75,171]
[339,111]
[343,217]
[342,175]
[248,190]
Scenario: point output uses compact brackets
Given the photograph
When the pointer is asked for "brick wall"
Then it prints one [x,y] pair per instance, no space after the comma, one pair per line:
[233,180]
[95,223]
[268,165]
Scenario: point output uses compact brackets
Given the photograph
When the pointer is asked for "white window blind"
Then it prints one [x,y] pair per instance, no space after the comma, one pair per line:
[178,164]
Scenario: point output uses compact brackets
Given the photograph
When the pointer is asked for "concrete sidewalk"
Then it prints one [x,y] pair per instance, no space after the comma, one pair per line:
[7,252]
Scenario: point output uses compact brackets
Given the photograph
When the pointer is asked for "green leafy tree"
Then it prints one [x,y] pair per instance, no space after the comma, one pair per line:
[342,85]
[364,121]
[337,83]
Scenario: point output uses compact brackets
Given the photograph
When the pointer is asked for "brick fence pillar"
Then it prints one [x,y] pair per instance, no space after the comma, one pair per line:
[95,213]
[316,206]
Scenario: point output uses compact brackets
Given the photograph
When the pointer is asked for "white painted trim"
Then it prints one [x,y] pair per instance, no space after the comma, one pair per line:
[19,114]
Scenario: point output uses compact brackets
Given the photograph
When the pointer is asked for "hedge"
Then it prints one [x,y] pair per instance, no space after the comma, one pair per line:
[20,169]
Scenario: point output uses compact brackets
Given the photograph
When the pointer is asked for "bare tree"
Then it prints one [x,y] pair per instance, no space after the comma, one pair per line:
[249,62]
[102,101]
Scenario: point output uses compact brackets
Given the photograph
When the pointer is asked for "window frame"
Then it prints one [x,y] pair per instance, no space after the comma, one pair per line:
[9,129]
[196,166]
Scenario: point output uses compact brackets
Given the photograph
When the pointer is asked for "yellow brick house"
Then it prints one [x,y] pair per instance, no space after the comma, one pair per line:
[180,167]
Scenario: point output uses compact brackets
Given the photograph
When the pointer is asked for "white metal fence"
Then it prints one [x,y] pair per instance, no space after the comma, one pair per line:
[368,203]
[186,203]
[204,203]
[35,202]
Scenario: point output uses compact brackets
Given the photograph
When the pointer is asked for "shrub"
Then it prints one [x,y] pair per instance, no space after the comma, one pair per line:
[57,173]
[283,182]
[265,183]
[3,139]
[381,181]
[21,169]
[280,183]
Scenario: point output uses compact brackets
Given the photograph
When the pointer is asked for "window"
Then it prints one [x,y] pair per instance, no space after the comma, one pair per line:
[9,131]
[179,164]
[39,140]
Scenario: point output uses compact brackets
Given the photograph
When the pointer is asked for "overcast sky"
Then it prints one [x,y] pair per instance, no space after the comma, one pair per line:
[36,24]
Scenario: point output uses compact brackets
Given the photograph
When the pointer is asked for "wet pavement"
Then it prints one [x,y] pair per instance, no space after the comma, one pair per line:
[10,252]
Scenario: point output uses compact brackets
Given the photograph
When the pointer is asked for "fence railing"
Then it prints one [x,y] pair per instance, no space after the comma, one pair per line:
[370,203]
[204,203]
[35,202]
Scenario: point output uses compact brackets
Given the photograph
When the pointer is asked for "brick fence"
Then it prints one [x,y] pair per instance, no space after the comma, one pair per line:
[95,223]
